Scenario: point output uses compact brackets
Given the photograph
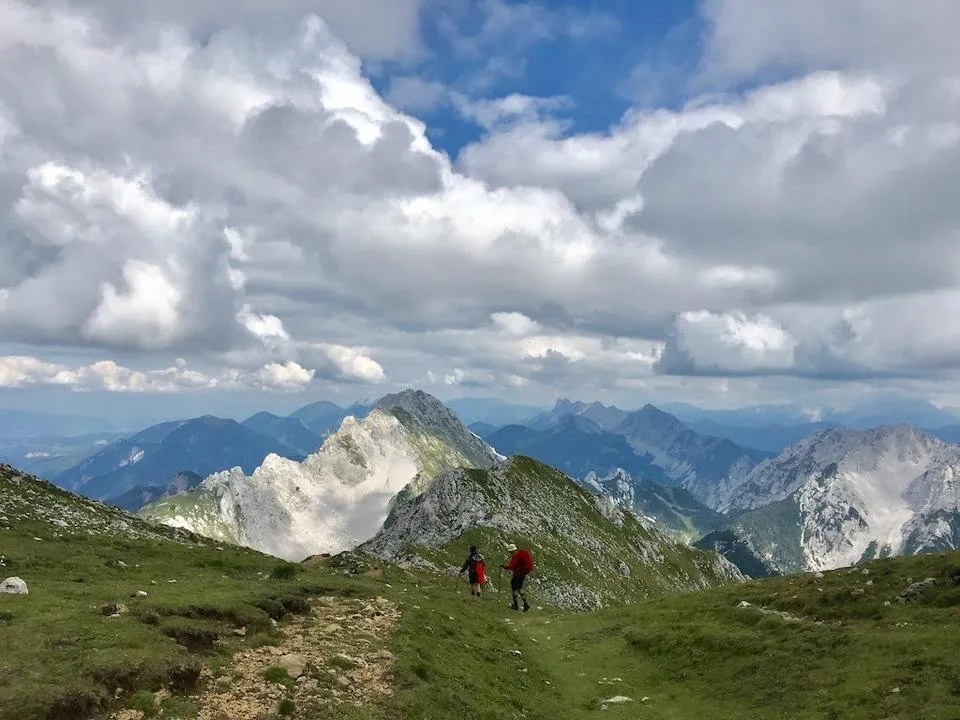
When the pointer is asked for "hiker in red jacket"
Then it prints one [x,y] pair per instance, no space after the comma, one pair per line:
[521,563]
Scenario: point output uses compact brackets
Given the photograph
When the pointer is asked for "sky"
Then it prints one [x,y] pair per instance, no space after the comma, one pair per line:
[246,205]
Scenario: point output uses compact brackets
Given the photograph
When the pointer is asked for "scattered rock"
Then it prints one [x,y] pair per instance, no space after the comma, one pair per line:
[345,661]
[914,590]
[113,609]
[818,575]
[14,586]
[140,594]
[617,700]
[130,715]
[743,604]
[383,655]
[293,664]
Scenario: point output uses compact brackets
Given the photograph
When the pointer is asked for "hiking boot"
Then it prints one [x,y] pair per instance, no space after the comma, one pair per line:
[526,607]
[514,606]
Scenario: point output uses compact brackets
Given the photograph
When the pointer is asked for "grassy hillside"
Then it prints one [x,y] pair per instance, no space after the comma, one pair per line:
[578,540]
[65,657]
[840,645]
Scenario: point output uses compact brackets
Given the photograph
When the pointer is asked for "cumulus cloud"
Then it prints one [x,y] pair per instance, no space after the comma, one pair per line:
[227,185]
[25,371]
[706,342]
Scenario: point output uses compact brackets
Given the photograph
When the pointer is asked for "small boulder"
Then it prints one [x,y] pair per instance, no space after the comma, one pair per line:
[293,664]
[914,590]
[14,586]
[345,661]
[113,609]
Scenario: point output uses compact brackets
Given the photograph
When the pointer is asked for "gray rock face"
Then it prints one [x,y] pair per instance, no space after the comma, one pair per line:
[14,586]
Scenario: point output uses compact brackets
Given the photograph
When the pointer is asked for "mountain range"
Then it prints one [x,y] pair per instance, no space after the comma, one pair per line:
[154,456]
[325,477]
[338,496]
[842,496]
[648,444]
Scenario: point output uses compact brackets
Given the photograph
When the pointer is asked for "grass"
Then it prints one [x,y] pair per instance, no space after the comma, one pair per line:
[64,655]
[855,652]
[697,655]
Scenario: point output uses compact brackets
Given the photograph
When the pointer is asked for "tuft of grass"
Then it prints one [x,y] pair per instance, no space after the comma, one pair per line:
[143,701]
[277,674]
[287,571]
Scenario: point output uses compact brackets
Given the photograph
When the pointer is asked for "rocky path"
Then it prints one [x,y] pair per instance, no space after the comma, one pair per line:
[333,657]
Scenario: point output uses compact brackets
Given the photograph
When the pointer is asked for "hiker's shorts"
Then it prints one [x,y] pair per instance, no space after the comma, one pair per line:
[516,582]
[473,578]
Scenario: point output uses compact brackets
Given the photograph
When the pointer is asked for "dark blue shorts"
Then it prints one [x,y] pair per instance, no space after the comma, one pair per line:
[516,582]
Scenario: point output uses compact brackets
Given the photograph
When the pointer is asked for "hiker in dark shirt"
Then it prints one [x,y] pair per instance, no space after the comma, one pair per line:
[474,567]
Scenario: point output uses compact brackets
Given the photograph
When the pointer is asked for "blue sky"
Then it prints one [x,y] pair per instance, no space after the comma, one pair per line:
[605,57]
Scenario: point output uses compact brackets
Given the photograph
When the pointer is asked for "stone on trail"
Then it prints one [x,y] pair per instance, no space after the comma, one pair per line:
[293,664]
[14,586]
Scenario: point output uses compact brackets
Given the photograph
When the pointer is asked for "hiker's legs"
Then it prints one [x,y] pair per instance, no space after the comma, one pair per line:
[516,585]
[475,589]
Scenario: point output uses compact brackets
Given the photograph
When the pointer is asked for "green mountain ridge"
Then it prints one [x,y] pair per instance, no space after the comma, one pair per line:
[579,539]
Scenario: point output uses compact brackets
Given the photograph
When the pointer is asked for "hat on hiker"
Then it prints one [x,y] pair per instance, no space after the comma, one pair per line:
[511,547]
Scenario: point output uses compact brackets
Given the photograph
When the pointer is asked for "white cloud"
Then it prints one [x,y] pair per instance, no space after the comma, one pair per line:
[730,343]
[413,94]
[490,113]
[227,185]
[289,376]
[26,371]
[749,36]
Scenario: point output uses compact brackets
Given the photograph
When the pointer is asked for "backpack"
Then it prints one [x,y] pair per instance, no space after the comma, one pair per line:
[479,570]
[526,561]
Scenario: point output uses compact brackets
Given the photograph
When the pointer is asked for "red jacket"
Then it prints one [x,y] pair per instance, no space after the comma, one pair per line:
[521,563]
